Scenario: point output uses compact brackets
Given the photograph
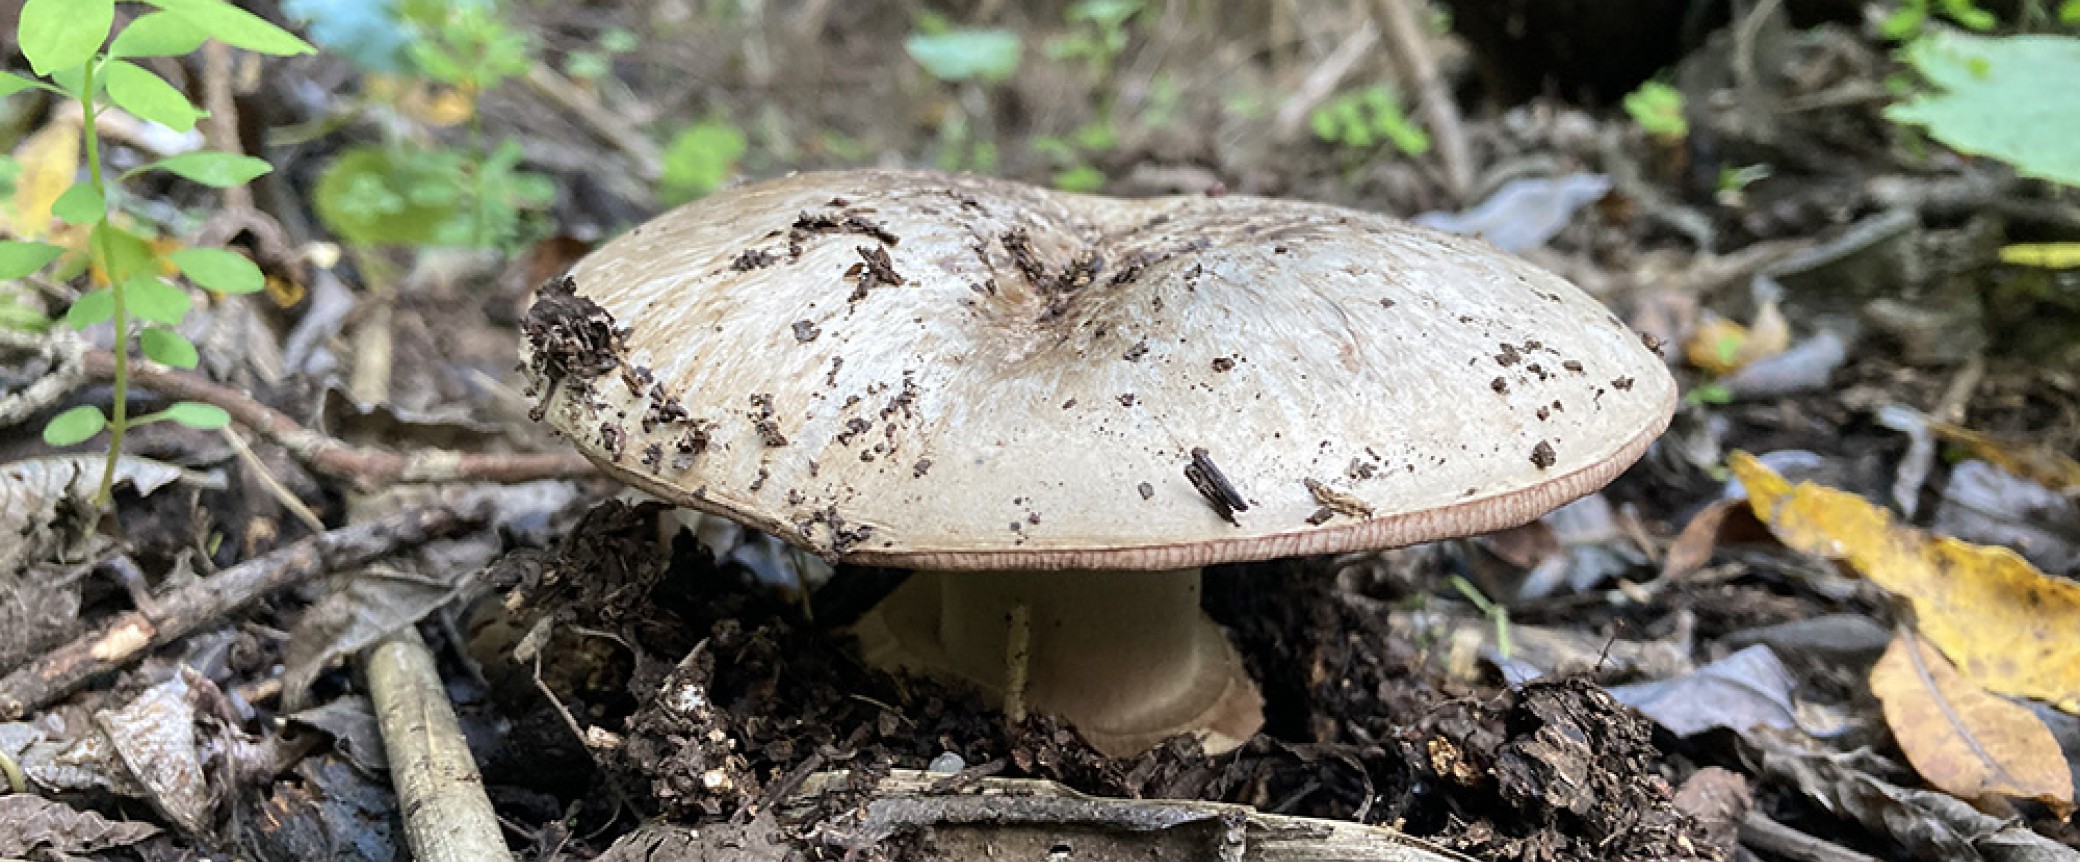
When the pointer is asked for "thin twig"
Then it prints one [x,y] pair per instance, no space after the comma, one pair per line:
[1324,79]
[1411,49]
[221,127]
[365,466]
[1761,833]
[281,492]
[608,126]
[129,636]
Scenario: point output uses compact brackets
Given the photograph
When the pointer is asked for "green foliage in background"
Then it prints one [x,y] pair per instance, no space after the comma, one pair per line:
[408,192]
[1909,21]
[2012,99]
[974,58]
[961,54]
[1361,119]
[1658,109]
[69,51]
[409,195]
[1097,35]
[699,159]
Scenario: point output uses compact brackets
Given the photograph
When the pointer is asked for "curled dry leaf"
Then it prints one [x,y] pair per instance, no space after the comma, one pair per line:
[2006,625]
[2040,464]
[38,827]
[1963,739]
[1721,346]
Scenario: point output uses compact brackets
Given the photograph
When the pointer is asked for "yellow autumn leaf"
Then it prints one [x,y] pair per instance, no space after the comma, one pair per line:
[2006,625]
[2044,255]
[2040,464]
[1964,740]
[1721,346]
[50,161]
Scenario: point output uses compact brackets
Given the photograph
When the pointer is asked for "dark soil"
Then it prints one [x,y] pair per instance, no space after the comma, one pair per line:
[737,698]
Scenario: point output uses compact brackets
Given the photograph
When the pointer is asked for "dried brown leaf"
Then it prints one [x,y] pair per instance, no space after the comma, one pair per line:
[1963,739]
[32,826]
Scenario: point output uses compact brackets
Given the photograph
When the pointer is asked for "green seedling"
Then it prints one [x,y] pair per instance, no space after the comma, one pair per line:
[1658,109]
[1910,21]
[71,56]
[410,193]
[700,158]
[1361,119]
[972,59]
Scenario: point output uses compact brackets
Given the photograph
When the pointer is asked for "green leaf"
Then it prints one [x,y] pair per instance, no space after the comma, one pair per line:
[375,195]
[213,169]
[149,96]
[219,270]
[11,83]
[206,417]
[235,27]
[966,54]
[168,347]
[157,34]
[2009,98]
[74,426]
[80,204]
[18,259]
[120,254]
[700,158]
[1082,179]
[60,34]
[94,306]
[149,297]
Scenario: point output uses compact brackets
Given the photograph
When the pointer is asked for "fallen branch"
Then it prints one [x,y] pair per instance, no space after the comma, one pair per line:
[131,635]
[366,467]
[447,815]
[1409,43]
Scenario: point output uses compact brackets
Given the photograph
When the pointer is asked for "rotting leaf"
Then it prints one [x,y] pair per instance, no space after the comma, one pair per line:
[2004,623]
[1742,692]
[1720,346]
[1964,740]
[40,828]
[2040,464]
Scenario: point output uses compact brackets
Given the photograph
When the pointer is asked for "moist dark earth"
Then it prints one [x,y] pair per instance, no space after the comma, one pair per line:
[738,696]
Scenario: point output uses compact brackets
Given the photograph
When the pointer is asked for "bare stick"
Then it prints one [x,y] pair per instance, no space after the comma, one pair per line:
[1018,653]
[1769,836]
[603,122]
[365,466]
[1411,50]
[448,817]
[129,636]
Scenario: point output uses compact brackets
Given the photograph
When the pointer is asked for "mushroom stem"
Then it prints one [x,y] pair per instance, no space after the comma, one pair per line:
[1126,657]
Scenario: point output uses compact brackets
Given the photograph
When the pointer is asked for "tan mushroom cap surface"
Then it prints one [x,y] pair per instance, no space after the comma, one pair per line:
[1020,383]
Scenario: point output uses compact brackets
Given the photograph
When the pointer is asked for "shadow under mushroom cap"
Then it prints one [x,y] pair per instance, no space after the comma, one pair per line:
[953,372]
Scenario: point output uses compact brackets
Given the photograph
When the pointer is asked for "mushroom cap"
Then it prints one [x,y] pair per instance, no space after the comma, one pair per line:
[954,372]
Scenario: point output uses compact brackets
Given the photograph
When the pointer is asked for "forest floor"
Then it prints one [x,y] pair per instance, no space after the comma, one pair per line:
[1700,661]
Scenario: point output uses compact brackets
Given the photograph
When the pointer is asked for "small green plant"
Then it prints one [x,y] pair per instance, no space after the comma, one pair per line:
[1361,119]
[699,159]
[1912,18]
[1658,109]
[71,56]
[1098,34]
[1497,614]
[974,60]
[405,192]
[592,64]
[1732,188]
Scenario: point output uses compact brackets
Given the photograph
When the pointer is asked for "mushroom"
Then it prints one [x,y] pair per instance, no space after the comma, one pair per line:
[1057,407]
